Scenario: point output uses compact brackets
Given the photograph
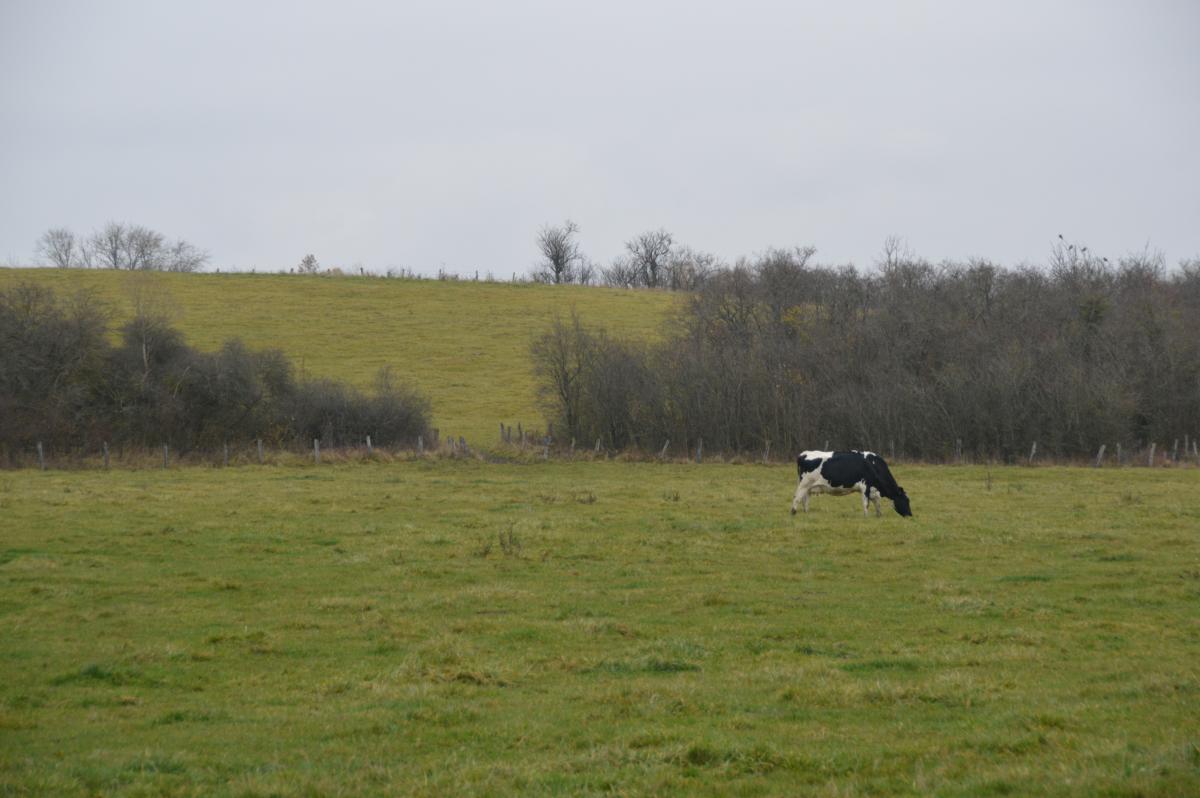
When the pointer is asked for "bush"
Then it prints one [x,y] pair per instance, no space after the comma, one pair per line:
[63,383]
[912,357]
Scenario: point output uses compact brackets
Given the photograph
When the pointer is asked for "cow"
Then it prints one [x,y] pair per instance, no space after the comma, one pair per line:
[840,473]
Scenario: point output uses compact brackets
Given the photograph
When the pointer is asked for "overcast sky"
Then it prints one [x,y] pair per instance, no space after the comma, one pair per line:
[444,134]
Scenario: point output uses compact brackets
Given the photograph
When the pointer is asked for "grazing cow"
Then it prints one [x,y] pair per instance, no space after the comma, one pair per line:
[840,473]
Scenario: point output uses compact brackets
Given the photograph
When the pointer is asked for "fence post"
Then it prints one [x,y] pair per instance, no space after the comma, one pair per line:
[1118,454]
[767,454]
[502,433]
[958,451]
[597,446]
[260,455]
[370,449]
[572,447]
[420,444]
[226,455]
[1150,461]
[41,457]
[106,454]
[1175,451]
[462,444]
[166,456]
[1100,456]
[1033,452]
[663,454]
[316,450]
[699,449]
[546,451]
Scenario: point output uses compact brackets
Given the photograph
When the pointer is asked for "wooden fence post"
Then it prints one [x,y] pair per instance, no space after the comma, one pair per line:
[546,451]
[572,447]
[1150,461]
[420,444]
[1100,456]
[370,449]
[597,446]
[226,455]
[1118,453]
[41,457]
[1175,451]
[502,440]
[106,454]
[699,449]
[166,456]
[316,450]
[1033,452]
[767,453]
[260,453]
[462,444]
[662,455]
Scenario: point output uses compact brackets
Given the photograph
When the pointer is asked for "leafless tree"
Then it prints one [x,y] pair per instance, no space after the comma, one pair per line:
[649,255]
[560,253]
[108,246]
[142,249]
[183,257]
[308,265]
[126,246]
[59,247]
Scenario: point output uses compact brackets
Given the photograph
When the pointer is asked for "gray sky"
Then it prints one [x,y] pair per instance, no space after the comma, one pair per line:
[420,135]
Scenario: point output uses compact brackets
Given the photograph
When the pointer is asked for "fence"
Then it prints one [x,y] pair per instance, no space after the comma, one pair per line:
[541,444]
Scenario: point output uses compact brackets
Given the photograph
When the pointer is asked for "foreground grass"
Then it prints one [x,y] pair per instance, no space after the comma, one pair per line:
[465,344]
[457,628]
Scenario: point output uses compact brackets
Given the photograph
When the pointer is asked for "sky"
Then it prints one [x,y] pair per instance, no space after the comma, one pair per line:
[444,135]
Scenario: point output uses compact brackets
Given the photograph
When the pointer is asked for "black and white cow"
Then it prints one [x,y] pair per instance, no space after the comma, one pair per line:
[840,473]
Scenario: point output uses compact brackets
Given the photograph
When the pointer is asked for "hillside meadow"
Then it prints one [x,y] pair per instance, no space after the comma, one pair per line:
[465,344]
[453,627]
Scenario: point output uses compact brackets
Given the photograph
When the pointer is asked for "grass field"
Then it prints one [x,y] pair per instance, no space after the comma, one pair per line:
[442,627]
[465,344]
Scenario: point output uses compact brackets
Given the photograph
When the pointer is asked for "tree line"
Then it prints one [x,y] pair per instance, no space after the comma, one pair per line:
[65,383]
[918,359]
[118,245]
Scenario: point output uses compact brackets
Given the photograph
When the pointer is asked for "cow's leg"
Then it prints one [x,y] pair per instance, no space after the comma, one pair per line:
[866,502]
[800,494]
[878,512]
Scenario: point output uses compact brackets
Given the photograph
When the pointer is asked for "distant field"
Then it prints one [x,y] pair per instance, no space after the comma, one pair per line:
[457,628]
[466,344]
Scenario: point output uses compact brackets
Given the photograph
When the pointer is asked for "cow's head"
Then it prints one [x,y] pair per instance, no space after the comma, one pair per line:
[901,502]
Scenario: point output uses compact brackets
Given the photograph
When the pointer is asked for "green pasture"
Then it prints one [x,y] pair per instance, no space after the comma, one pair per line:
[464,343]
[453,627]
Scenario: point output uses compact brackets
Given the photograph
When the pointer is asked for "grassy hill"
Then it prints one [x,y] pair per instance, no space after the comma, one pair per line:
[465,344]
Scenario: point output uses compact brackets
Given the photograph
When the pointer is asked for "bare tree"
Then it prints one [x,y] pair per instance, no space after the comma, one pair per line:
[183,257]
[108,246]
[561,258]
[142,249]
[649,255]
[59,247]
[308,265]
